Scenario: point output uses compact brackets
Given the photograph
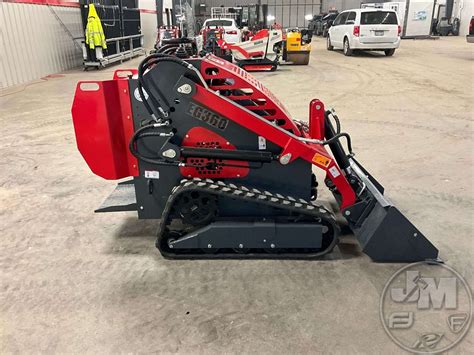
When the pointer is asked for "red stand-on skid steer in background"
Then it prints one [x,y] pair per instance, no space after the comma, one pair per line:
[260,53]
[217,158]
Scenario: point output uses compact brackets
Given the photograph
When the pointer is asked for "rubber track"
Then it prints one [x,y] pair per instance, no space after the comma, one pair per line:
[243,193]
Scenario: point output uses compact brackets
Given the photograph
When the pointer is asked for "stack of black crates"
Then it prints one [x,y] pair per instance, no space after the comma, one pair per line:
[119,18]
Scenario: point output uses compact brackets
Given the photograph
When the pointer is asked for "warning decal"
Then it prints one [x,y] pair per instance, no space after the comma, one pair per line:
[152,174]
[334,172]
[321,160]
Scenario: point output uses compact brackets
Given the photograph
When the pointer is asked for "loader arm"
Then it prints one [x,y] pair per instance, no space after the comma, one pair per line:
[292,147]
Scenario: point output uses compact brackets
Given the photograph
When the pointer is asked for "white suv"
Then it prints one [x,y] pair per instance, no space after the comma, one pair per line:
[232,32]
[367,29]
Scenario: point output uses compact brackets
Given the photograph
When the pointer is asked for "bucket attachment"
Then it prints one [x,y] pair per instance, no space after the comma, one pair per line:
[383,232]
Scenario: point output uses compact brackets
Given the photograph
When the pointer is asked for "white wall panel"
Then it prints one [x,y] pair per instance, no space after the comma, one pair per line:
[279,14]
[286,20]
[149,29]
[309,10]
[299,15]
[149,23]
[464,10]
[285,11]
[34,43]
[291,13]
[341,5]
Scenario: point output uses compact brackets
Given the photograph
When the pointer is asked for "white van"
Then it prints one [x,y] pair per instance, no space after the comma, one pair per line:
[366,29]
[232,32]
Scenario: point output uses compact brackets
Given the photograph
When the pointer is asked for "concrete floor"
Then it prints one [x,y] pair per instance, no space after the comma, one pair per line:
[74,281]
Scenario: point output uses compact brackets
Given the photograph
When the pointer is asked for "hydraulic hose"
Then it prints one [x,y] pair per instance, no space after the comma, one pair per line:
[146,64]
[141,133]
[339,135]
[141,85]
[335,145]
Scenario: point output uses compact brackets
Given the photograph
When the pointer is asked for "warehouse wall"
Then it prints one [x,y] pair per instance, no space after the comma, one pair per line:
[287,12]
[149,22]
[464,10]
[342,4]
[292,12]
[36,37]
[36,40]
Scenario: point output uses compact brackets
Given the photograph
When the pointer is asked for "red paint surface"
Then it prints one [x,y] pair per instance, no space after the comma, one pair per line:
[271,132]
[63,3]
[235,47]
[199,137]
[260,35]
[227,76]
[257,67]
[103,125]
[46,2]
[123,74]
[147,11]
[316,119]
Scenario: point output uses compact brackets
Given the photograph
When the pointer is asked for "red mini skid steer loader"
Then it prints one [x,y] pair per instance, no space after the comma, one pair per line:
[217,158]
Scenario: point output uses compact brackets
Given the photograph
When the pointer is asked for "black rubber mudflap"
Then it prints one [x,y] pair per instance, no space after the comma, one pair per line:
[386,235]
